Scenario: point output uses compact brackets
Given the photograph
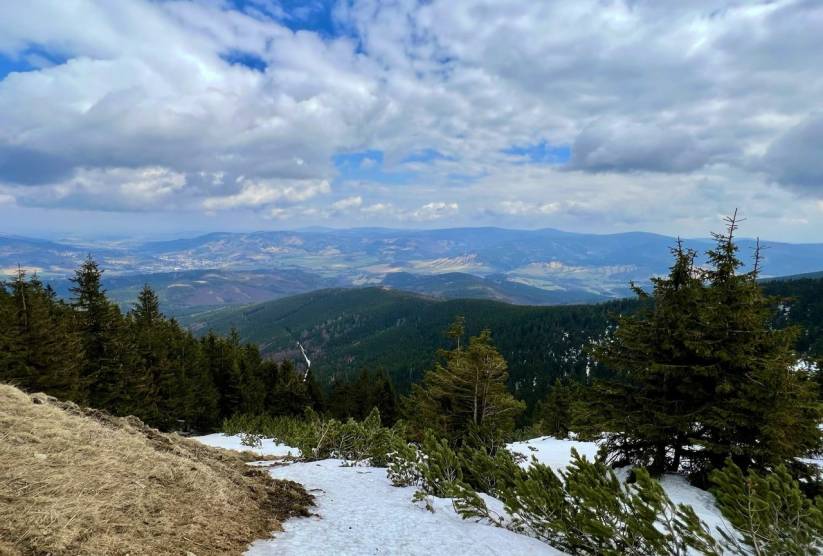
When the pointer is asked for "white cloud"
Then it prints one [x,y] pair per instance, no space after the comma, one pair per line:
[434,211]
[379,208]
[120,189]
[347,203]
[673,111]
[267,192]
[521,207]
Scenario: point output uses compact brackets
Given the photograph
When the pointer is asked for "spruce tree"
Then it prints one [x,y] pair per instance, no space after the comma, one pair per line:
[702,376]
[146,311]
[464,398]
[45,355]
[104,340]
[555,413]
[13,367]
[648,409]
[762,411]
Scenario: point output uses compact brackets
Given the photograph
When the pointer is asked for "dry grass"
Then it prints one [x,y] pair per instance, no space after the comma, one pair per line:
[78,481]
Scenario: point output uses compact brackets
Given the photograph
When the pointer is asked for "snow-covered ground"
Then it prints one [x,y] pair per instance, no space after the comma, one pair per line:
[360,512]
[233,442]
[551,451]
[557,455]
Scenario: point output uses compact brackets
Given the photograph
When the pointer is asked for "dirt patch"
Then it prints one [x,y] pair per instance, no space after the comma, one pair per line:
[79,481]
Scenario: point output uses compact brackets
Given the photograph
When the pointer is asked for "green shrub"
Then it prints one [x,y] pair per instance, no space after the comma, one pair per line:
[771,514]
[320,438]
[588,510]
[441,469]
[404,465]
[251,440]
[490,473]
[583,510]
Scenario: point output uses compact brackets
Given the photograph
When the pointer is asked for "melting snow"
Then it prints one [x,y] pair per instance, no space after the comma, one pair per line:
[359,511]
[233,442]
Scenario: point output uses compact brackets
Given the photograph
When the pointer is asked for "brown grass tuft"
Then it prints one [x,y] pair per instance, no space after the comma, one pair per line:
[79,481]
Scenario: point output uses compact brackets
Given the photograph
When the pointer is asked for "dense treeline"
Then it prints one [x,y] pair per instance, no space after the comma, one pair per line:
[800,302]
[374,328]
[356,398]
[139,362]
[348,330]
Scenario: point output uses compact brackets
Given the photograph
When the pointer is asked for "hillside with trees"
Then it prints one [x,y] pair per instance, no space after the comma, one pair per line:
[138,363]
[347,330]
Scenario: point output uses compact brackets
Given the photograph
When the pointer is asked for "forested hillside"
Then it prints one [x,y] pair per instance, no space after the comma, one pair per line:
[86,350]
[800,302]
[346,330]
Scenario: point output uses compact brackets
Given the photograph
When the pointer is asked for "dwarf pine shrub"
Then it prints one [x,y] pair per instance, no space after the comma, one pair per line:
[770,513]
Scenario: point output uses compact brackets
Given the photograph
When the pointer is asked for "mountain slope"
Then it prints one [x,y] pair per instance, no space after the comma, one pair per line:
[179,292]
[345,330]
[79,481]
[459,285]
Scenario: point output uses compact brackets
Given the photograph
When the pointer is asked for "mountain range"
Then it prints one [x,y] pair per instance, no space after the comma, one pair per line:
[535,267]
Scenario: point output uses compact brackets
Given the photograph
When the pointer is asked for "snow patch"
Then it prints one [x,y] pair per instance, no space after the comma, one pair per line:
[360,512]
[554,452]
[233,442]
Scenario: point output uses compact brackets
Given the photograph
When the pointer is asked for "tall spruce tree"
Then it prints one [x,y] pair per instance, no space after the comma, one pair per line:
[763,411]
[45,353]
[555,413]
[464,398]
[649,408]
[103,337]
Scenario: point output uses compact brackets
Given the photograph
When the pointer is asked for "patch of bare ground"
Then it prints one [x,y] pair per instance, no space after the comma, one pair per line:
[79,481]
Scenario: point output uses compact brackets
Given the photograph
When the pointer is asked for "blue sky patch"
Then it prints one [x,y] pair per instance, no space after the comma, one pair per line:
[368,166]
[426,155]
[32,59]
[247,59]
[297,15]
[542,152]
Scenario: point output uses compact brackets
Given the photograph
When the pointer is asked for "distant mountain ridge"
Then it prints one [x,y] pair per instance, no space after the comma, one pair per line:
[545,266]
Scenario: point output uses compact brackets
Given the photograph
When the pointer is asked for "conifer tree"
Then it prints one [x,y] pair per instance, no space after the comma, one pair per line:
[464,398]
[555,413]
[763,411]
[356,398]
[649,408]
[13,367]
[103,339]
[146,310]
[702,375]
[46,353]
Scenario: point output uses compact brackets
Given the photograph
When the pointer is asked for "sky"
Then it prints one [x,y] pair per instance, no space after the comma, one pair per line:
[152,117]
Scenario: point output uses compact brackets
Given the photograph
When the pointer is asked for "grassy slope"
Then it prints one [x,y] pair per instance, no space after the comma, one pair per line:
[75,481]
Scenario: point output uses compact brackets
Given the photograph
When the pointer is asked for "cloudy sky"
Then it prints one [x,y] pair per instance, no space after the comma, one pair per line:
[143,117]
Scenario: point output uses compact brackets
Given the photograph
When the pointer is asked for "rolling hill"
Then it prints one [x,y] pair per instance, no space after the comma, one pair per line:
[345,330]
[195,290]
[545,266]
[459,285]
